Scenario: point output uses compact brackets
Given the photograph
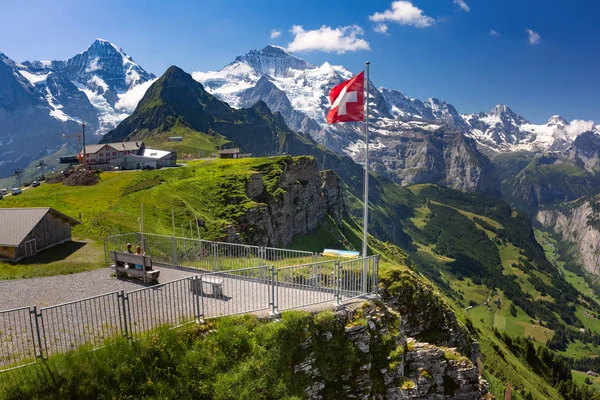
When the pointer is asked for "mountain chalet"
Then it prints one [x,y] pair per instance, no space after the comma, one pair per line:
[127,155]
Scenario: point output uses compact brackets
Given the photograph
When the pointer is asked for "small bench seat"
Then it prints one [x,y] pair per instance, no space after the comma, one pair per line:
[216,283]
[147,274]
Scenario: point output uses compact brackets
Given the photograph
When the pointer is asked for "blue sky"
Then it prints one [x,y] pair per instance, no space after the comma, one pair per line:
[429,48]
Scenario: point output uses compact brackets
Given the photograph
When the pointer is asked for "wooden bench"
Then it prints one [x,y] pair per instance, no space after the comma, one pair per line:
[121,260]
[216,283]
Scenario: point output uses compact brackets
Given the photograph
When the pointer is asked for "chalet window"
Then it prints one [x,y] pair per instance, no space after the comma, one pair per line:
[101,154]
[114,153]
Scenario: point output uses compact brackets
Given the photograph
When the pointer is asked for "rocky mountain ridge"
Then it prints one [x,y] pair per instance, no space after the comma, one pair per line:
[109,78]
[47,100]
[29,114]
[306,87]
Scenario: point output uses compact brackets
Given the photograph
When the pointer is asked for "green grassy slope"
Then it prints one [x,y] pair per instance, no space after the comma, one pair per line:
[213,190]
[486,257]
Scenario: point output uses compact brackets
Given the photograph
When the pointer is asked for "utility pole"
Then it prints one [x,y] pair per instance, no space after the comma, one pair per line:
[197,227]
[18,173]
[84,150]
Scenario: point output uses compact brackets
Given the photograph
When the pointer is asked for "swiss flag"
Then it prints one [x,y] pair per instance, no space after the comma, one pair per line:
[347,100]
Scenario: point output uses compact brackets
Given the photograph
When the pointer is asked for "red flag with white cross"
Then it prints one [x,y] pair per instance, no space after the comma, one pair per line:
[347,101]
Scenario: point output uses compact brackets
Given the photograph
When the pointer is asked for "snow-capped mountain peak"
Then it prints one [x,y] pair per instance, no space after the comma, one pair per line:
[110,79]
[557,120]
[504,112]
[106,61]
[273,60]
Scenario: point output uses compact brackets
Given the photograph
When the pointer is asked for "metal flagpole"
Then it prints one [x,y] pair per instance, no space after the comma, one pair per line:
[366,200]
[143,244]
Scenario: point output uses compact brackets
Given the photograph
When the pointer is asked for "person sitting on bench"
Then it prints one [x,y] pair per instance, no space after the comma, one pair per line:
[139,252]
[127,250]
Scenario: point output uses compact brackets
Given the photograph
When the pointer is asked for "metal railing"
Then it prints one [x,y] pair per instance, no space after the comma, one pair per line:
[206,255]
[308,284]
[18,340]
[27,334]
[168,303]
[90,321]
[357,277]
[234,292]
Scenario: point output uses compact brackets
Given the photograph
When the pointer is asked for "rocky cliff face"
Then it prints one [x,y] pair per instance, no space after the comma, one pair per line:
[579,223]
[443,157]
[305,197]
[385,363]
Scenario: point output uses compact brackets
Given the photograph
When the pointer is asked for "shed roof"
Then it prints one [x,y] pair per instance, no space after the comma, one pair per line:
[229,151]
[16,223]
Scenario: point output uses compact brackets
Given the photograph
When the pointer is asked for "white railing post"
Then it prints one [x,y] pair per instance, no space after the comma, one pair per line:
[214,250]
[365,275]
[338,280]
[376,275]
[274,290]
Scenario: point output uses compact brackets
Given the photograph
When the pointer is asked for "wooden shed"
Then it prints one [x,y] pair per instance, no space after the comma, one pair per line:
[229,153]
[25,231]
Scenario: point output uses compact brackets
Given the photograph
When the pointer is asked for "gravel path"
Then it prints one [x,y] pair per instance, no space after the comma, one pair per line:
[58,289]
[103,314]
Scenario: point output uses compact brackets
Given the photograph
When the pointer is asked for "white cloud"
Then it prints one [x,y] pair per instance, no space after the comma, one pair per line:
[534,38]
[339,40]
[494,33]
[381,28]
[578,126]
[129,100]
[404,13]
[275,33]
[463,5]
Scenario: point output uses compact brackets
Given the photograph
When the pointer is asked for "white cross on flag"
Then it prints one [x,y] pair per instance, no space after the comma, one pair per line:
[347,101]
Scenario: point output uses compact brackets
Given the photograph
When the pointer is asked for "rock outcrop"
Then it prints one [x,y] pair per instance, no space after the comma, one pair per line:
[304,197]
[385,364]
[579,223]
[424,315]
